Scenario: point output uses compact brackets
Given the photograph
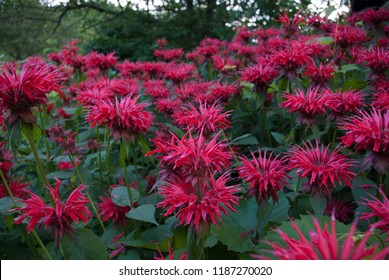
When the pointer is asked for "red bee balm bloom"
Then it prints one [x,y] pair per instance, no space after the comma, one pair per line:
[60,216]
[308,105]
[203,204]
[379,209]
[17,188]
[368,130]
[266,175]
[5,159]
[321,74]
[208,119]
[321,167]
[260,75]
[20,92]
[381,100]
[125,117]
[108,210]
[194,157]
[325,245]
[344,102]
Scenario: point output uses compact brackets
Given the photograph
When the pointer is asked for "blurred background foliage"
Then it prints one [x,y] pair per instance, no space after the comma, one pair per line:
[130,28]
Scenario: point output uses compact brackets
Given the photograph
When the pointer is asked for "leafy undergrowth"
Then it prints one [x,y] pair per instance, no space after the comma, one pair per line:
[273,145]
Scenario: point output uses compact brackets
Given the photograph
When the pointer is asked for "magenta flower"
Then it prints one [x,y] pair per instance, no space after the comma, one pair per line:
[126,117]
[322,168]
[381,100]
[197,158]
[308,105]
[324,244]
[199,204]
[261,75]
[17,188]
[208,119]
[59,216]
[19,92]
[379,211]
[266,175]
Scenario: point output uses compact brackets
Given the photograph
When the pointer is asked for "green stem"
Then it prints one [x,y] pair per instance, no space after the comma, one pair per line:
[7,188]
[28,133]
[267,129]
[99,158]
[334,137]
[231,150]
[134,162]
[42,245]
[87,193]
[44,135]
[108,156]
[315,131]
[123,157]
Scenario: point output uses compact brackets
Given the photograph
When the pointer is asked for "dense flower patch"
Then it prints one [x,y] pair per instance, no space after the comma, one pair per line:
[272,145]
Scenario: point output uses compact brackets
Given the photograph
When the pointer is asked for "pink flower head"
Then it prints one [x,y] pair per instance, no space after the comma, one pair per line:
[194,157]
[379,210]
[66,165]
[59,216]
[224,64]
[68,142]
[199,204]
[126,117]
[261,75]
[308,105]
[374,18]
[167,105]
[100,61]
[322,168]
[208,119]
[377,59]
[367,130]
[19,92]
[219,91]
[169,55]
[108,210]
[321,74]
[180,72]
[346,36]
[347,101]
[381,100]
[156,88]
[324,244]
[290,60]
[266,175]
[17,188]
[290,27]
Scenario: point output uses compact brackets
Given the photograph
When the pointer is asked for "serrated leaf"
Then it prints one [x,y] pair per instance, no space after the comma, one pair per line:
[84,245]
[144,213]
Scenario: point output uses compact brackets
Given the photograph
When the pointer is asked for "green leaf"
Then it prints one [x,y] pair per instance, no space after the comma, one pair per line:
[273,212]
[354,84]
[121,198]
[235,228]
[247,139]
[348,67]
[14,132]
[6,204]
[325,40]
[280,138]
[84,245]
[329,10]
[318,203]
[143,213]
